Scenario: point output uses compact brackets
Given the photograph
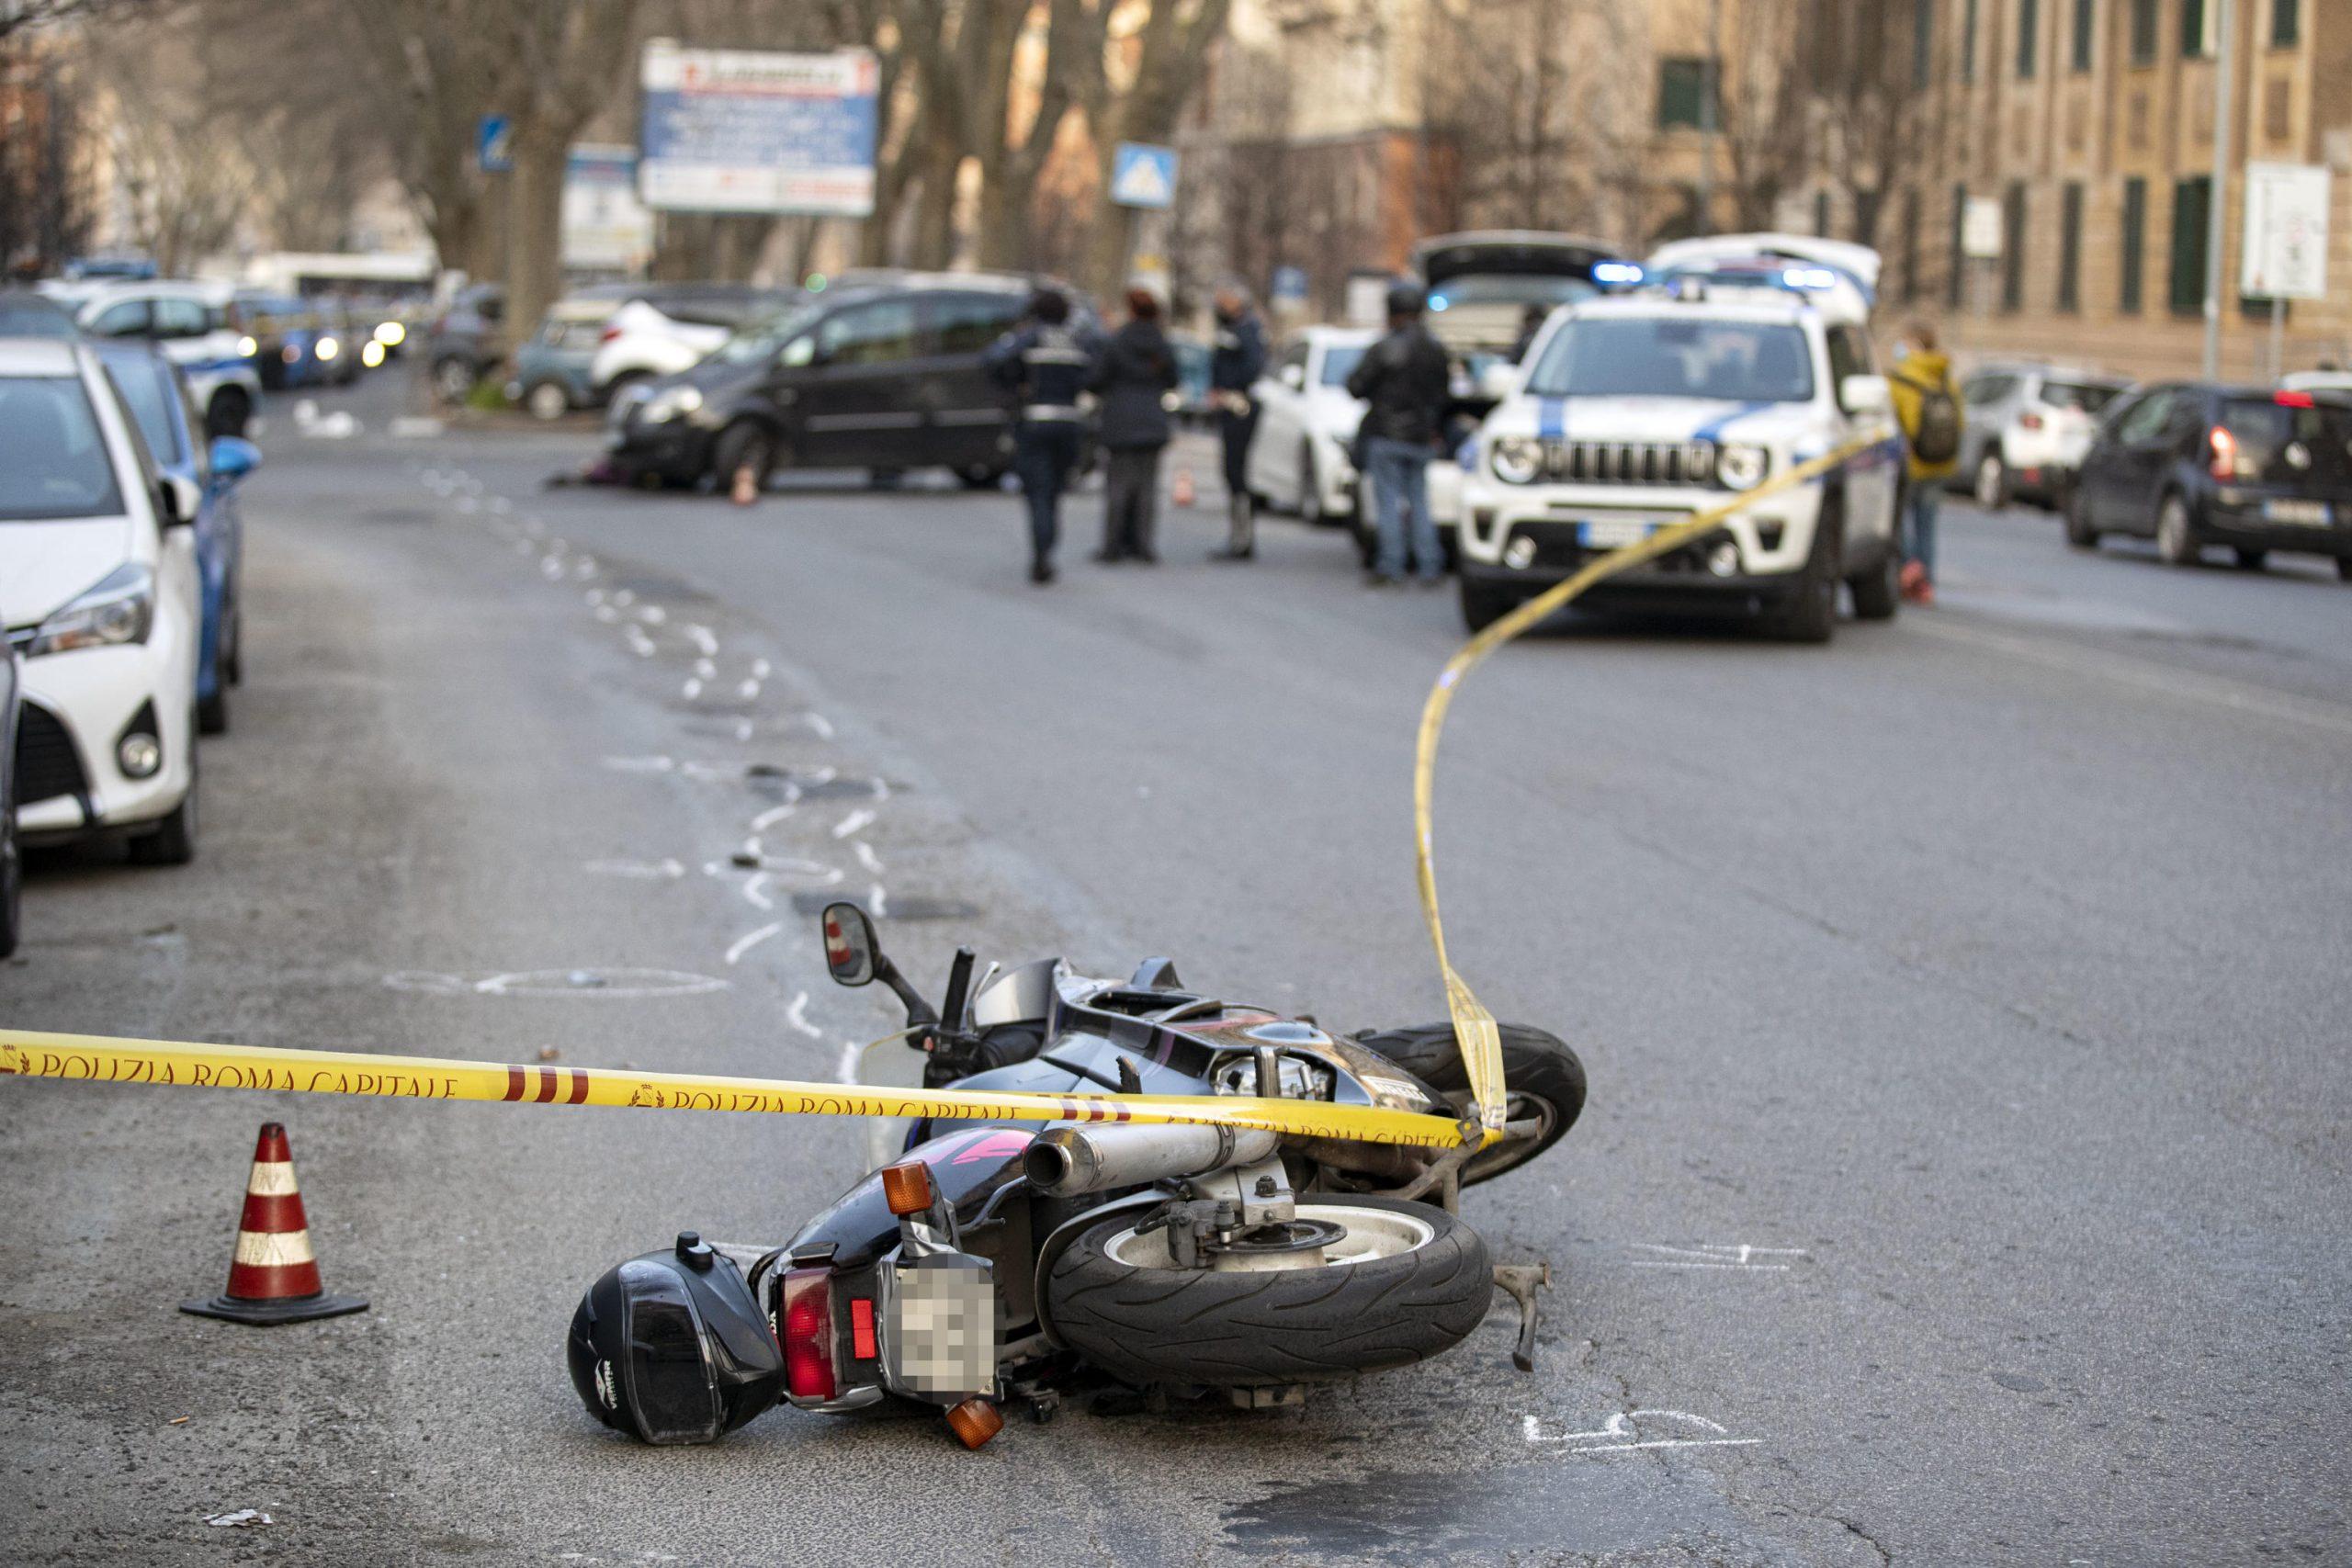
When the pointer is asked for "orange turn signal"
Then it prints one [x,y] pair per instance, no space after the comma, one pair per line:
[974,1422]
[907,1187]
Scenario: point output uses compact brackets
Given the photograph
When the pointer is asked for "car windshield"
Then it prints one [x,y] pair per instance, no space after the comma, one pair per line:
[756,341]
[53,459]
[146,388]
[1339,363]
[1663,357]
[29,315]
[2088,396]
[1509,288]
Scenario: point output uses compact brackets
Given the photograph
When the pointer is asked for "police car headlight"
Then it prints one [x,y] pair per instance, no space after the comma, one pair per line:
[671,403]
[1742,468]
[1518,459]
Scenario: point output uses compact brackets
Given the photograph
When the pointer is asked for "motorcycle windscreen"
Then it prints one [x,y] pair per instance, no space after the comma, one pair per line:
[942,1321]
[669,1390]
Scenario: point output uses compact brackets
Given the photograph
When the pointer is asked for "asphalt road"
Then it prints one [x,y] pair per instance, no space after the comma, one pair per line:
[1964,1180]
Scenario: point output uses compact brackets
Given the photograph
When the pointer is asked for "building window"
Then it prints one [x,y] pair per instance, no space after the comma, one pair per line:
[2196,29]
[1968,41]
[2286,23]
[1821,212]
[1910,244]
[2013,246]
[1956,271]
[2143,32]
[2028,31]
[1681,93]
[2070,248]
[2135,229]
[2191,199]
[2085,20]
[1923,42]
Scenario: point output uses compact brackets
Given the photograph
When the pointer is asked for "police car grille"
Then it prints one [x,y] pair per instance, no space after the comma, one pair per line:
[1631,462]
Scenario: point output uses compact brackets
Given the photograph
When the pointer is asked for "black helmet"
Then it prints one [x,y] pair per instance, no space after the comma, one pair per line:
[1407,297]
[673,1347]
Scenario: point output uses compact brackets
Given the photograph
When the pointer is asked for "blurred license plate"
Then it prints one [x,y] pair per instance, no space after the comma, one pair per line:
[1613,533]
[2311,511]
[942,1314]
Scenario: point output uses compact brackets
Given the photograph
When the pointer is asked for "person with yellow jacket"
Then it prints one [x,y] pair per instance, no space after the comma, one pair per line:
[1926,406]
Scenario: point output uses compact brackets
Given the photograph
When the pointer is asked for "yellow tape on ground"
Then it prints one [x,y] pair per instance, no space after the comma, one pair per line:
[97,1059]
[1473,1026]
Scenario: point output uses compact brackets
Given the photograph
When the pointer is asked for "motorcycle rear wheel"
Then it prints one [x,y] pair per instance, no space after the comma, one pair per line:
[1543,1082]
[1407,1282]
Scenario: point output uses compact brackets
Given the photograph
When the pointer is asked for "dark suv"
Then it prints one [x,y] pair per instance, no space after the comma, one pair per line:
[2198,464]
[886,377]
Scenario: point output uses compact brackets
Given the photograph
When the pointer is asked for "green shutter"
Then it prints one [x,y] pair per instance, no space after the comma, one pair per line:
[2192,200]
[2070,248]
[2135,228]
[2029,35]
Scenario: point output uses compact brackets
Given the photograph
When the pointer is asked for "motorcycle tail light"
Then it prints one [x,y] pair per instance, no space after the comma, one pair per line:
[906,1187]
[2225,453]
[807,1323]
[608,335]
[861,1329]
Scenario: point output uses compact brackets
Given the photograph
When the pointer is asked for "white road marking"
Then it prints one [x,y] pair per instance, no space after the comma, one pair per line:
[706,668]
[1738,1256]
[881,789]
[652,614]
[639,764]
[692,689]
[760,668]
[771,817]
[867,858]
[755,890]
[646,870]
[742,729]
[845,1065]
[820,724]
[702,637]
[751,940]
[797,1015]
[639,643]
[1619,1434]
[855,822]
[879,903]
[748,689]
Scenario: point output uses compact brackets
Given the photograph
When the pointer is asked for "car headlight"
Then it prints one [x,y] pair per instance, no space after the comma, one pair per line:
[371,353]
[120,609]
[1518,459]
[671,402]
[327,348]
[391,334]
[247,348]
[1742,468]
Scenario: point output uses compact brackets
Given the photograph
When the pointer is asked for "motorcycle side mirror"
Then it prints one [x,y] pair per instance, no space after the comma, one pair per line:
[851,952]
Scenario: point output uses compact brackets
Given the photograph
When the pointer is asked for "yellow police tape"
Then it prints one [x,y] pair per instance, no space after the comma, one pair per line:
[1473,1026]
[99,1059]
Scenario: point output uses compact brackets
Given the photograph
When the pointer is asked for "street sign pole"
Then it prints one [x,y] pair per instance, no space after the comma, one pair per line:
[2224,62]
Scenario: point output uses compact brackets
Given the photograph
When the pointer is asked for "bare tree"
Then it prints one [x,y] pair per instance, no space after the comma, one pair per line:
[182,188]
[1132,80]
[43,219]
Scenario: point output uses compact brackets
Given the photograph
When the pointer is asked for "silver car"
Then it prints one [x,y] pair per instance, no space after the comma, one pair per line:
[2028,427]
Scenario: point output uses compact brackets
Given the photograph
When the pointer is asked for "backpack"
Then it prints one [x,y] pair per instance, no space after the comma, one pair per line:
[1937,440]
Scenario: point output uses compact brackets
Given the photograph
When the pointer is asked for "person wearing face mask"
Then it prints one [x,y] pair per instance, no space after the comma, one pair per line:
[1235,362]
[1926,407]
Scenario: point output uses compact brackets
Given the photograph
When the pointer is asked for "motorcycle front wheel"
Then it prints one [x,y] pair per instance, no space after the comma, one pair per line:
[1543,1085]
[1404,1282]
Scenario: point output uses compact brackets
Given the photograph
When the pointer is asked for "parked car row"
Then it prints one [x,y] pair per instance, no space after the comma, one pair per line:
[121,550]
[591,342]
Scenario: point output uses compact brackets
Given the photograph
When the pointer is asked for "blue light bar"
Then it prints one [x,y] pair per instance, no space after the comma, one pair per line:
[1616,272]
[1809,277]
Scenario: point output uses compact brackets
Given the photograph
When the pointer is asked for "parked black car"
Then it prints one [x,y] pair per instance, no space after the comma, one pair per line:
[885,376]
[12,866]
[2198,464]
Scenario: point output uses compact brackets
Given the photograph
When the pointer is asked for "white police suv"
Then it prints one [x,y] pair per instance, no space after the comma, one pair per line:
[1633,411]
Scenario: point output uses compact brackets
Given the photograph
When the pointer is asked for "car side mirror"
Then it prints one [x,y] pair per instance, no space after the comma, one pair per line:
[179,500]
[1865,395]
[233,458]
[851,952]
[1293,377]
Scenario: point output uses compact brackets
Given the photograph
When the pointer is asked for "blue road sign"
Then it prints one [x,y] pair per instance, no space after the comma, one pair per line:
[1143,176]
[494,143]
[1290,285]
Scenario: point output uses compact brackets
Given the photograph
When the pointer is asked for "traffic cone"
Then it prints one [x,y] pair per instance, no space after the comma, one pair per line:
[1180,489]
[274,1278]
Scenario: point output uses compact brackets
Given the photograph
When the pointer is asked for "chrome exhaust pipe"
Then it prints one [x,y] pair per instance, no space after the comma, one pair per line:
[1066,1160]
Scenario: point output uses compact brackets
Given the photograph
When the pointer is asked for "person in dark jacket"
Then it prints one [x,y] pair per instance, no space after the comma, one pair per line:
[1133,375]
[1235,365]
[1405,382]
[1044,361]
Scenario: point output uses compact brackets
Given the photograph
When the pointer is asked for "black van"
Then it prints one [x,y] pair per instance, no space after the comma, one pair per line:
[885,376]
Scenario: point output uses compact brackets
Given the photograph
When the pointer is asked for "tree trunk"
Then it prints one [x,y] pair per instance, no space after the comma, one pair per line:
[534,229]
[935,216]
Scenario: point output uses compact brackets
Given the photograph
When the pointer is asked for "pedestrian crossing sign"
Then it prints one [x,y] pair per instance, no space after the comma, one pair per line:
[1143,176]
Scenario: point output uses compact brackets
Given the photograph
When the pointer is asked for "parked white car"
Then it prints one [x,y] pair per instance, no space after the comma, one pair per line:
[98,553]
[665,328]
[2027,429]
[1632,413]
[1298,458]
[196,325]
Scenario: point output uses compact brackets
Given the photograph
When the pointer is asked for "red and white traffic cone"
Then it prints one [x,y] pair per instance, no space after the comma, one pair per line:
[274,1277]
[1180,489]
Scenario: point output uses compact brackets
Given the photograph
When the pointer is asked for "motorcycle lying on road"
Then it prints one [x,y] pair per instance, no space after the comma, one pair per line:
[994,1258]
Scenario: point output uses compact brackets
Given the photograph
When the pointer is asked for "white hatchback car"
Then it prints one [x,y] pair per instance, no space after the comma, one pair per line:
[1634,412]
[104,608]
[663,328]
[196,325]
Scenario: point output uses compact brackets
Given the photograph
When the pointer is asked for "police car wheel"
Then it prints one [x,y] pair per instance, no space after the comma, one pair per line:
[1809,613]
[1403,1282]
[2079,532]
[1879,591]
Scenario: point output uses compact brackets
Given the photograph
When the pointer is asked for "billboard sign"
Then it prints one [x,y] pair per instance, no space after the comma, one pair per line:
[605,228]
[1980,229]
[2284,249]
[745,130]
